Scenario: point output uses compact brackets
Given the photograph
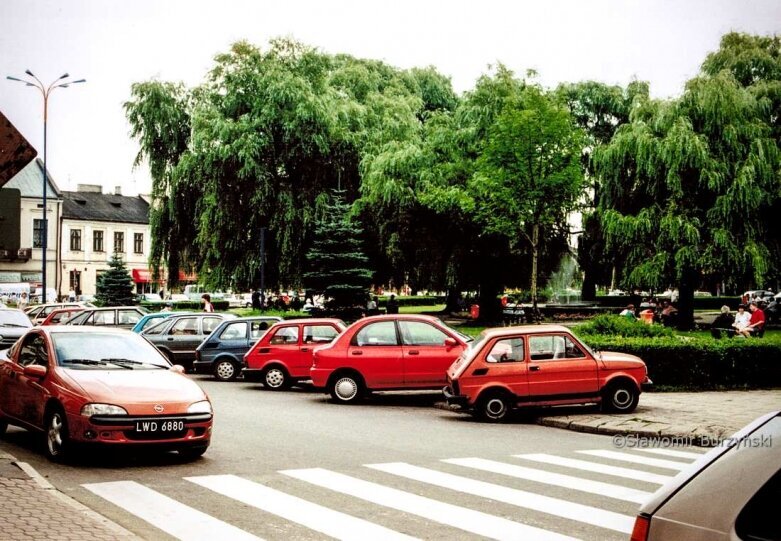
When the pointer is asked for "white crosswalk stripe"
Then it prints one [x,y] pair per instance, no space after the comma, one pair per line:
[586,465]
[316,517]
[166,514]
[557,479]
[672,452]
[444,513]
[519,498]
[636,459]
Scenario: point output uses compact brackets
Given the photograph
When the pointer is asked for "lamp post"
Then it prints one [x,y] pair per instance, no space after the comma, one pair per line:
[60,82]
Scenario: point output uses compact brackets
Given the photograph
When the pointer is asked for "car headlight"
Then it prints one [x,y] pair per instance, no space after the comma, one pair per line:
[88,410]
[204,406]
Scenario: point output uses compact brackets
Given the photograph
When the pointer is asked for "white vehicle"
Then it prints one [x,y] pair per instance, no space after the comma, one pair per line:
[194,292]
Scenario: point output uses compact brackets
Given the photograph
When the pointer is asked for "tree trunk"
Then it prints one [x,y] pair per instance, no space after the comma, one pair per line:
[588,291]
[685,306]
[535,244]
[451,301]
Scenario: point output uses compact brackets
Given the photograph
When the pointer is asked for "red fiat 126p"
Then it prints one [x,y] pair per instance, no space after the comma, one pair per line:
[541,365]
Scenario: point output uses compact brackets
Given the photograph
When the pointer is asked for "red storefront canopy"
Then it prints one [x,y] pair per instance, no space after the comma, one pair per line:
[142,276]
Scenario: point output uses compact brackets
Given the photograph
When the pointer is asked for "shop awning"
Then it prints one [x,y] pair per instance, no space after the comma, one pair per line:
[141,276]
[191,277]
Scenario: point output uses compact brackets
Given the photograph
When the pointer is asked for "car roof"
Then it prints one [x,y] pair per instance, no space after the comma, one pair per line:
[82,329]
[310,320]
[526,329]
[104,308]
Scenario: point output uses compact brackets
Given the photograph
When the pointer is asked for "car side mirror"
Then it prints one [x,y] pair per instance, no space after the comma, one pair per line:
[178,368]
[35,371]
[450,342]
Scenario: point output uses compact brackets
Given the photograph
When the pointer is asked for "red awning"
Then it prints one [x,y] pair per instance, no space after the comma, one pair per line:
[142,276]
[192,277]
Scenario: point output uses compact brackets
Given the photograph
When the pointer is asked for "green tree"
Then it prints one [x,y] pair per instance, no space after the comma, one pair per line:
[338,267]
[115,286]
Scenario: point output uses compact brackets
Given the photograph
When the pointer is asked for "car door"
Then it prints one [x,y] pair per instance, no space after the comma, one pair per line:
[23,397]
[182,338]
[376,352]
[232,339]
[283,345]
[502,363]
[560,369]
[426,357]
[128,317]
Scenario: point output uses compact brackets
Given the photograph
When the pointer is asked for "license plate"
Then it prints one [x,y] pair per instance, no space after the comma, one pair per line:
[155,427]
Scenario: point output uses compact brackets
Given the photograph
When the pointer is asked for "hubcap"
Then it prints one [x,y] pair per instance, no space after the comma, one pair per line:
[495,408]
[54,438]
[225,370]
[346,388]
[275,377]
[622,398]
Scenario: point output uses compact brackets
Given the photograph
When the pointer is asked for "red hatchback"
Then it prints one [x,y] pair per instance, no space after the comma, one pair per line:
[283,355]
[390,352]
[100,386]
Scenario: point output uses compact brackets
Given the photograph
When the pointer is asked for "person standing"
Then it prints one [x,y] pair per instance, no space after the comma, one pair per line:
[71,295]
[256,300]
[23,301]
[207,303]
[392,306]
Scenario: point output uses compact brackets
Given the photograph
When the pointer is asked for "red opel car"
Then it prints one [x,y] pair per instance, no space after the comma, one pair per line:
[541,365]
[389,352]
[87,385]
[60,316]
[283,355]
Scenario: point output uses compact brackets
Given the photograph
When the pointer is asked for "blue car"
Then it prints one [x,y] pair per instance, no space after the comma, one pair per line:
[222,353]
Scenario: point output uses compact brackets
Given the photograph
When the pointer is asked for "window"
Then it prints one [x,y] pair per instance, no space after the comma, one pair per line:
[34,352]
[506,351]
[285,335]
[210,323]
[319,334]
[382,333]
[104,317]
[75,240]
[185,326]
[37,233]
[119,242]
[97,241]
[416,333]
[234,331]
[259,328]
[543,348]
[128,317]
[138,243]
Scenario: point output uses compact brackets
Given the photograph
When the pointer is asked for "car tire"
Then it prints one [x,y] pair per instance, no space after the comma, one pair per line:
[192,453]
[56,438]
[276,378]
[346,388]
[225,370]
[620,397]
[494,407]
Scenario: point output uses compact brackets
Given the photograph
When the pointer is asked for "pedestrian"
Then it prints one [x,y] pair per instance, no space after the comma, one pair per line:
[168,307]
[628,312]
[371,306]
[23,301]
[392,306]
[207,303]
[757,322]
[71,295]
[723,323]
[256,300]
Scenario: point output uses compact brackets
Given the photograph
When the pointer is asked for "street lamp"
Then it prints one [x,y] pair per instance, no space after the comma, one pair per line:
[60,82]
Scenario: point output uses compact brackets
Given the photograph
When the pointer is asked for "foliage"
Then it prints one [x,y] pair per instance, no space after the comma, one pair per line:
[610,325]
[115,286]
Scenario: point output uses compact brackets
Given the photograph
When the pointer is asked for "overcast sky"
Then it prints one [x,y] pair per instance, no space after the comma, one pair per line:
[114,43]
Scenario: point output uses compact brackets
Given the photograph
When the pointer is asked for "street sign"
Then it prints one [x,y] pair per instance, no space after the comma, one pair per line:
[15,151]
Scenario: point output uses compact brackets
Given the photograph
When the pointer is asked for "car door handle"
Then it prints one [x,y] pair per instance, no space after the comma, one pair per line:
[357,352]
[304,350]
[413,352]
[534,368]
[264,350]
[170,338]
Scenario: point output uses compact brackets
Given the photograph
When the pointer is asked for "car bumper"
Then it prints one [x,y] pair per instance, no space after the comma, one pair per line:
[455,399]
[121,430]
[252,374]
[320,377]
[203,367]
[647,385]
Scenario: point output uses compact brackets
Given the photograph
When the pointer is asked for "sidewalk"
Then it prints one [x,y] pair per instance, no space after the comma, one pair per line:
[35,510]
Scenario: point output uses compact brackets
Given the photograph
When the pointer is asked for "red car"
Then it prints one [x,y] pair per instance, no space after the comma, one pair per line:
[284,354]
[389,352]
[60,316]
[100,386]
[541,365]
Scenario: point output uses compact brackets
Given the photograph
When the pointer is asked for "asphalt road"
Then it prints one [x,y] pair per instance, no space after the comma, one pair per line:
[259,436]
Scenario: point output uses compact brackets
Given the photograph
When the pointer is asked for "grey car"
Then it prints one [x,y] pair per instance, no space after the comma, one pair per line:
[13,324]
[222,353]
[123,317]
[178,336]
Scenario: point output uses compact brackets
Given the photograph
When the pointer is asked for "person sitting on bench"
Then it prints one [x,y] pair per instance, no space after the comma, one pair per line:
[723,323]
[756,325]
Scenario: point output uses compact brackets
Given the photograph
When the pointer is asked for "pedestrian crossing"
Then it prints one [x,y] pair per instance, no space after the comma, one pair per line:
[533,496]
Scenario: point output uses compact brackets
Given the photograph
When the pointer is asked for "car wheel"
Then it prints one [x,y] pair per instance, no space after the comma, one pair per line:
[56,434]
[191,453]
[226,370]
[276,378]
[620,397]
[494,407]
[346,389]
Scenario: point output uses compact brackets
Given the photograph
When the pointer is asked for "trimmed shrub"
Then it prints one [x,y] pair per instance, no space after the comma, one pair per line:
[190,306]
[415,300]
[622,326]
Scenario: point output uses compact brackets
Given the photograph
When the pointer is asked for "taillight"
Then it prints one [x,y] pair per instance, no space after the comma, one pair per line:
[640,531]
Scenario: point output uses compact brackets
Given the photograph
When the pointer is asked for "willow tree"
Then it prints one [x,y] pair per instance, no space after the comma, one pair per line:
[685,185]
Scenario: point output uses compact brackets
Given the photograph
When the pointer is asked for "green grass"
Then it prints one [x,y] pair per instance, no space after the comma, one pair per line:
[421,309]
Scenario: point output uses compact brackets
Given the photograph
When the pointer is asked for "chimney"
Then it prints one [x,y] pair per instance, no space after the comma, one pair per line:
[117,190]
[89,188]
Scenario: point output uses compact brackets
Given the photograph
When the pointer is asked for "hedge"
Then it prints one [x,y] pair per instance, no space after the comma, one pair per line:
[684,363]
[191,306]
[700,303]
[415,300]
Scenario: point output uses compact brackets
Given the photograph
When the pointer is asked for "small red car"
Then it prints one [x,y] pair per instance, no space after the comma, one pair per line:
[389,352]
[541,365]
[106,386]
[283,355]
[60,316]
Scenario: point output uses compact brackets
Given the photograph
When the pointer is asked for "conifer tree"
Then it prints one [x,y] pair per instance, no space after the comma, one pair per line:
[337,264]
[115,286]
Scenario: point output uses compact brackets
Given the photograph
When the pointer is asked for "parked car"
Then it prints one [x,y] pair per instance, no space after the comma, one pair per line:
[13,324]
[178,336]
[100,386]
[284,355]
[152,319]
[60,316]
[124,317]
[541,365]
[239,300]
[222,353]
[762,294]
[694,504]
[40,312]
[387,352]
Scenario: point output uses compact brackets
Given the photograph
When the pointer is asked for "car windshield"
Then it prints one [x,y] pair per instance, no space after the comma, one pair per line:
[85,351]
[14,318]
[464,337]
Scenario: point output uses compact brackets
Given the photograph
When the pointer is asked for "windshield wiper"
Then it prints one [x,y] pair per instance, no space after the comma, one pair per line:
[11,325]
[83,361]
[131,362]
